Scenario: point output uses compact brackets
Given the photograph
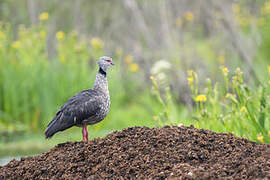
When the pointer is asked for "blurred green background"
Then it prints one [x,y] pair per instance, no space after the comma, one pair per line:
[178,62]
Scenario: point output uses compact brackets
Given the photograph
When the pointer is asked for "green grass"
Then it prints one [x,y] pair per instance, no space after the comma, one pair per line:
[230,106]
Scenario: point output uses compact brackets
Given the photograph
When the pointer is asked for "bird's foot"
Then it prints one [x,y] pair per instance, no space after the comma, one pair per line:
[85,139]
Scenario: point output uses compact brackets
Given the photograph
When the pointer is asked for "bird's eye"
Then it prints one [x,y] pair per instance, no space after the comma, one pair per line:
[108,60]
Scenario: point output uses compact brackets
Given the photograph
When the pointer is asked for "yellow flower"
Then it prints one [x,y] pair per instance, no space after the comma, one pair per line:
[268,68]
[225,70]
[228,95]
[44,16]
[189,16]
[96,43]
[268,133]
[243,109]
[60,35]
[133,67]
[16,44]
[179,21]
[152,77]
[221,59]
[201,98]
[128,59]
[260,138]
[42,33]
[190,79]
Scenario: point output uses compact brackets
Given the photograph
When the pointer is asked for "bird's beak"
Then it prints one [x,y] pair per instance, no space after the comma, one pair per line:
[112,63]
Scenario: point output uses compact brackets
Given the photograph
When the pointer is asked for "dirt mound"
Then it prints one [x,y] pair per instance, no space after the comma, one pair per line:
[148,153]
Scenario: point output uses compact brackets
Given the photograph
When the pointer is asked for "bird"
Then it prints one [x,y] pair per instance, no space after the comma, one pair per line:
[85,108]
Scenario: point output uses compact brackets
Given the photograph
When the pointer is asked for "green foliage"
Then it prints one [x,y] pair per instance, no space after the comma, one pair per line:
[225,107]
[33,87]
[231,106]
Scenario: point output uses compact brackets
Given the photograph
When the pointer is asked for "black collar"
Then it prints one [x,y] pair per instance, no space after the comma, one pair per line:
[101,71]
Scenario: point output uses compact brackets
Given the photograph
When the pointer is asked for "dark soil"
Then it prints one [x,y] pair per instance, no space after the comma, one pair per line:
[149,153]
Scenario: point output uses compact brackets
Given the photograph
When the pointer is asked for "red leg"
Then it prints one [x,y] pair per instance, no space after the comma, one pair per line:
[85,133]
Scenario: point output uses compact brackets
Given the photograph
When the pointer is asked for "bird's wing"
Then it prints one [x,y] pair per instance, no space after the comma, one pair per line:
[82,105]
[79,107]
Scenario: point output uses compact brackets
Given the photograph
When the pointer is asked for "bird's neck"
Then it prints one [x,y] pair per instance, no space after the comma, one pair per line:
[101,82]
[101,71]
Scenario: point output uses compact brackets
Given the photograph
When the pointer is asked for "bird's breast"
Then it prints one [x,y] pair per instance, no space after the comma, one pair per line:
[105,106]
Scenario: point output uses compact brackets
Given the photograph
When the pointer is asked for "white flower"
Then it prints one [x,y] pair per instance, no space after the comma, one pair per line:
[161,76]
[159,66]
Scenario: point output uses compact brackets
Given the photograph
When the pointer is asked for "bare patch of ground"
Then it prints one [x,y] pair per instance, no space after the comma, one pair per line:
[149,153]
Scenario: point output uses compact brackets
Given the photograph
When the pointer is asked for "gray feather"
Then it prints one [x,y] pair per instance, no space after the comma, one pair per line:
[86,107]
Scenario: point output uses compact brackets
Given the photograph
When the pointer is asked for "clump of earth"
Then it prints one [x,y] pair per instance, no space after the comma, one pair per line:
[149,153]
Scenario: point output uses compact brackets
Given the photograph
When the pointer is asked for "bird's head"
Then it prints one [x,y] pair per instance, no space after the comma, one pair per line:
[105,63]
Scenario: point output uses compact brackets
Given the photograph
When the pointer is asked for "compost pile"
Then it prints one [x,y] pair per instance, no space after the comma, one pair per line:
[149,153]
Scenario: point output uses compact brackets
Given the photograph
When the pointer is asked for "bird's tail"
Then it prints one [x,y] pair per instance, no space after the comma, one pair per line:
[52,127]
[59,123]
[50,131]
